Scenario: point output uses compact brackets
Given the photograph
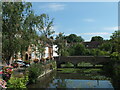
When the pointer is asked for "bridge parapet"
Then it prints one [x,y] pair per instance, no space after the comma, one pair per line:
[78,59]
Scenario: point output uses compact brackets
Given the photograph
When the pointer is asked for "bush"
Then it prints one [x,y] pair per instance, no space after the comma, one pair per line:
[115,56]
[34,71]
[17,83]
[54,66]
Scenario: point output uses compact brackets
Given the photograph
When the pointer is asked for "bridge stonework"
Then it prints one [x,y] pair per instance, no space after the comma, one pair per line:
[78,59]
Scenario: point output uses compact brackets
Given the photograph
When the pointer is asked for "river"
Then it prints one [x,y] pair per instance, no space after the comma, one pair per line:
[74,78]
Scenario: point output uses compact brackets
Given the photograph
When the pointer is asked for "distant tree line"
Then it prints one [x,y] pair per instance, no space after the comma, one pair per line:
[72,45]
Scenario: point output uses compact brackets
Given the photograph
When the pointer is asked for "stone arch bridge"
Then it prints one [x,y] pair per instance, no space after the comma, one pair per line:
[78,59]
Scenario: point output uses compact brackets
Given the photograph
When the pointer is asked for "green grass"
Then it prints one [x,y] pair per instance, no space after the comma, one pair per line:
[75,70]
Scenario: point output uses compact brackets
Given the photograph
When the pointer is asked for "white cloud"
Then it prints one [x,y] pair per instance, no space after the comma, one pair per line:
[111,28]
[88,20]
[53,6]
[96,33]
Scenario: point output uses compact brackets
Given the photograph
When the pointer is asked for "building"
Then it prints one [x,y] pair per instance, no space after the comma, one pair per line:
[92,44]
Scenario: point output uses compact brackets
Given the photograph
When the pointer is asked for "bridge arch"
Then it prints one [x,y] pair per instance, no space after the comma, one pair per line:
[67,64]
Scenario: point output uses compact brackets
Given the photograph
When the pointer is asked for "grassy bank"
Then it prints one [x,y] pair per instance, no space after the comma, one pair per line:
[76,70]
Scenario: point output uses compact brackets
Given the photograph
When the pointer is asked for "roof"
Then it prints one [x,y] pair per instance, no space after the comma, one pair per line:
[92,44]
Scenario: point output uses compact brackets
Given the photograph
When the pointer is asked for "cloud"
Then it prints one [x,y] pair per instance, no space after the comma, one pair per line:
[53,6]
[110,28]
[96,33]
[88,20]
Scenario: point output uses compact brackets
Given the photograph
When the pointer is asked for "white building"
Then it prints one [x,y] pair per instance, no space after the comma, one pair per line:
[55,49]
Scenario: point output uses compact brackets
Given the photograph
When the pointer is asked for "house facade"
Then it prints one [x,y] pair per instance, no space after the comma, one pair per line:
[33,53]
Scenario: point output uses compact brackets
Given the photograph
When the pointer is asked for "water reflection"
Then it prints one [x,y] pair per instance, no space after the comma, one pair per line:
[71,80]
[73,83]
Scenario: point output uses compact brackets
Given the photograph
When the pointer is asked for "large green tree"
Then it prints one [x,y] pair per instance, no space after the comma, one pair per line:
[77,50]
[18,29]
[73,38]
[97,38]
[11,28]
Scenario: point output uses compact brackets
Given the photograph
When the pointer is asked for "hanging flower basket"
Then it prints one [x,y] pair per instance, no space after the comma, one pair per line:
[47,58]
[6,72]
[36,60]
[15,65]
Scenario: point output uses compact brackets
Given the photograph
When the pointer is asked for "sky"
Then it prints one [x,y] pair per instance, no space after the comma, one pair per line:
[85,19]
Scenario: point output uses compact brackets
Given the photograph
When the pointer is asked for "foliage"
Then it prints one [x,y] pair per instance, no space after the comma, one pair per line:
[115,56]
[77,49]
[73,38]
[13,17]
[115,39]
[97,38]
[106,46]
[34,71]
[61,43]
[17,83]
[116,70]
[19,29]
[67,64]
[98,52]
[54,66]
[45,26]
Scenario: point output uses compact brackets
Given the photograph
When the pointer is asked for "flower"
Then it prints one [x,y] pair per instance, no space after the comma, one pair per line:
[7,69]
[6,72]
[3,83]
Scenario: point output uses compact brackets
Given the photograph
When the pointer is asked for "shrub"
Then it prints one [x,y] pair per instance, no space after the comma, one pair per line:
[17,83]
[34,71]
[54,66]
[115,56]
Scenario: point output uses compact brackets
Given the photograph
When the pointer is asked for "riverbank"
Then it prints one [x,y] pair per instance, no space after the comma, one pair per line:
[58,79]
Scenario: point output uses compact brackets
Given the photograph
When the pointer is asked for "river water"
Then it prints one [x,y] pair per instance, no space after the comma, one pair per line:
[77,79]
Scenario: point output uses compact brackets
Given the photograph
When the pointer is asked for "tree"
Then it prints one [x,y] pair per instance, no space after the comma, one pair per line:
[18,29]
[61,44]
[106,46]
[77,50]
[12,17]
[73,38]
[97,38]
[115,40]
[45,26]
